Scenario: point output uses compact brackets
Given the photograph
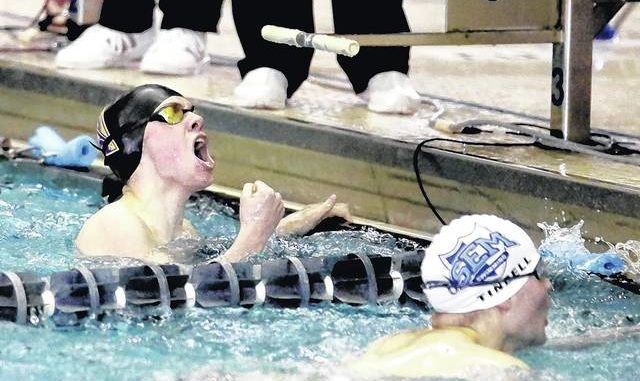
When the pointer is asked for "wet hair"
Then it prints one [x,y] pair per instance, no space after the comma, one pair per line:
[122,124]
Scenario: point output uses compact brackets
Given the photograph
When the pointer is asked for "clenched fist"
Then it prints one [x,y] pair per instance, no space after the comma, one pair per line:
[261,209]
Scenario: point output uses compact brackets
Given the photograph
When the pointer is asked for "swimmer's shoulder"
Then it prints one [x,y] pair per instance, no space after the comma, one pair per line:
[430,353]
[114,230]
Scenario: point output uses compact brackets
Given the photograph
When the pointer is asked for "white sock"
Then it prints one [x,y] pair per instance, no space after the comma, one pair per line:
[264,88]
[391,92]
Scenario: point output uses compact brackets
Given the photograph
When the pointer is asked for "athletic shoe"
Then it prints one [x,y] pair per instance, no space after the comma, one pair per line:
[263,87]
[99,47]
[391,92]
[176,51]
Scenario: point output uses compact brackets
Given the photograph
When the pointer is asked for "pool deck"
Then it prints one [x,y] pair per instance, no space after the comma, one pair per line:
[326,141]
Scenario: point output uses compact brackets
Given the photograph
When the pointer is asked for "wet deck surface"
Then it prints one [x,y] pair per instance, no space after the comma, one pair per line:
[514,79]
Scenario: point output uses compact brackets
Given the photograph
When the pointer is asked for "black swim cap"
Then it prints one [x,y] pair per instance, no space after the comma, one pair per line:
[121,127]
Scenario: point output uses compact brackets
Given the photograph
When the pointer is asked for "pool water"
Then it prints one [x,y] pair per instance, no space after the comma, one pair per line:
[41,211]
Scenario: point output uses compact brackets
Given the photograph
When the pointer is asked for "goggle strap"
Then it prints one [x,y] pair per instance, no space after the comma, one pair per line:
[96,146]
[534,273]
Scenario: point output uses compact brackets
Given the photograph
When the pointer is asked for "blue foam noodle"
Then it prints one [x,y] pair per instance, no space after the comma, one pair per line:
[78,152]
[48,144]
[46,140]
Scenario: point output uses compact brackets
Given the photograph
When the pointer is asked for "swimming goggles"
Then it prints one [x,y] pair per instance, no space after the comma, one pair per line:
[170,114]
[540,272]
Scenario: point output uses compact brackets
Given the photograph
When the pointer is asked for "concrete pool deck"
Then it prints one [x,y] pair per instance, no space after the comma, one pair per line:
[327,142]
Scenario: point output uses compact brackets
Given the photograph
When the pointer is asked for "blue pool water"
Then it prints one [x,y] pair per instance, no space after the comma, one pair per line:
[41,211]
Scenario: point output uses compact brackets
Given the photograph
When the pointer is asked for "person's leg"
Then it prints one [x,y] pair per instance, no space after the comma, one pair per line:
[127,16]
[250,16]
[122,35]
[197,15]
[362,17]
[382,71]
[181,46]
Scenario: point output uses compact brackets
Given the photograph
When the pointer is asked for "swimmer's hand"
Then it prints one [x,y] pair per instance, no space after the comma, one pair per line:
[303,221]
[261,209]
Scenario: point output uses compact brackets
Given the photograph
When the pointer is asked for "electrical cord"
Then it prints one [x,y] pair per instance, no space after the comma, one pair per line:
[416,163]
[472,126]
[550,141]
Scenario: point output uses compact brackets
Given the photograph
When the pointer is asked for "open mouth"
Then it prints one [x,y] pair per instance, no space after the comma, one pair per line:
[200,149]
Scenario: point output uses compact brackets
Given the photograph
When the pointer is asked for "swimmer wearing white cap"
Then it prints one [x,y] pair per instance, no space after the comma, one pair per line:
[483,277]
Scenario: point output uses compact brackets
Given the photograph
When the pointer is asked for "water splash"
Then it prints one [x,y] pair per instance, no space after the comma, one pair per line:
[630,252]
[566,245]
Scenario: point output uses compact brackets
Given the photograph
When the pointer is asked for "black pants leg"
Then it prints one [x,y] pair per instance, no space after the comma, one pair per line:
[198,15]
[135,16]
[367,16]
[127,16]
[251,15]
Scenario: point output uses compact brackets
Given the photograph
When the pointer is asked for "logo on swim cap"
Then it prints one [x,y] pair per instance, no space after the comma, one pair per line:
[103,134]
[476,260]
[471,263]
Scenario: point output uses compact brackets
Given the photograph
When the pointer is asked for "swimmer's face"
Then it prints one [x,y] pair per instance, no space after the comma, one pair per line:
[176,144]
[527,316]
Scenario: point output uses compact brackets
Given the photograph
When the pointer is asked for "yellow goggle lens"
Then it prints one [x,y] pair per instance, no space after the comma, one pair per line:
[172,114]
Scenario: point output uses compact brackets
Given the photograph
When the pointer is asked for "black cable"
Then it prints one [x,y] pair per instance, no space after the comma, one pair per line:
[416,167]
[549,142]
[607,146]
[533,125]
[553,142]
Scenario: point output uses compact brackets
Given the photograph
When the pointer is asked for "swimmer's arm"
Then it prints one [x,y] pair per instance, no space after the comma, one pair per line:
[261,210]
[303,221]
[245,245]
[593,337]
[252,237]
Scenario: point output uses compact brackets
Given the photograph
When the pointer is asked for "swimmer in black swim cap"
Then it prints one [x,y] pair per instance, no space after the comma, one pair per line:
[155,143]
[122,130]
[122,124]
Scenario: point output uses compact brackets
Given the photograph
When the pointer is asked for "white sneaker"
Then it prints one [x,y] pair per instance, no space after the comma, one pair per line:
[177,51]
[391,92]
[100,47]
[263,87]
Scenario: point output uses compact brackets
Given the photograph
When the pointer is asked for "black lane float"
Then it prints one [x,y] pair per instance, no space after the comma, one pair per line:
[68,297]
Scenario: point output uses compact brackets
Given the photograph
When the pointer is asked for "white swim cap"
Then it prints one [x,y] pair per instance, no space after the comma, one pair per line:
[468,265]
